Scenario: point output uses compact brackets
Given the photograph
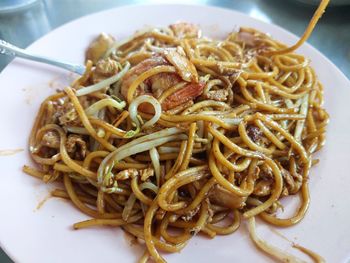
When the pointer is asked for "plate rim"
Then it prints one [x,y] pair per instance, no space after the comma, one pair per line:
[168,5]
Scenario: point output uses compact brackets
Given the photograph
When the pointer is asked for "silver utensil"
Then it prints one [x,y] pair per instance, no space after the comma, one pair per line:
[11,50]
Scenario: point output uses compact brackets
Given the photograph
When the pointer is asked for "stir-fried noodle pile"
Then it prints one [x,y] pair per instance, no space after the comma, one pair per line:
[169,134]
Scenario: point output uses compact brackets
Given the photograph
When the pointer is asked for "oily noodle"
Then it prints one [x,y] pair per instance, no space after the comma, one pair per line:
[165,175]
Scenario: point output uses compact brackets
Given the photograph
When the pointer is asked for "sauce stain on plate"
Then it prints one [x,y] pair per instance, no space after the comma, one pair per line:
[29,94]
[59,82]
[132,240]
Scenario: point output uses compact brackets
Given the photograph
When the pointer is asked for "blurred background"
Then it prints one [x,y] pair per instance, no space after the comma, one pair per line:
[24,21]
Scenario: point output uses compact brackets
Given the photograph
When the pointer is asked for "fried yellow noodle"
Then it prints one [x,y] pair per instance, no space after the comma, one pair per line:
[169,134]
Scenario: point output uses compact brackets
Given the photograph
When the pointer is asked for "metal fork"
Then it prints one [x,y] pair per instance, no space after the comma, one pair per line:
[11,50]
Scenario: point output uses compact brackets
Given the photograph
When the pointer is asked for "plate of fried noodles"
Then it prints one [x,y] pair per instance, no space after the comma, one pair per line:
[195,134]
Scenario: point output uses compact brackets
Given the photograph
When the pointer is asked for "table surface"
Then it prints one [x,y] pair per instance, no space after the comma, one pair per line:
[331,36]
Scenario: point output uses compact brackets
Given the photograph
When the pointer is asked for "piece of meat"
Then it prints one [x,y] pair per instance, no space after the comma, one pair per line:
[146,173]
[187,93]
[126,174]
[253,42]
[248,38]
[98,47]
[105,68]
[76,147]
[184,67]
[161,82]
[263,188]
[266,173]
[157,84]
[292,184]
[218,95]
[137,70]
[254,133]
[185,30]
[180,108]
[64,113]
[220,196]
[51,139]
[190,214]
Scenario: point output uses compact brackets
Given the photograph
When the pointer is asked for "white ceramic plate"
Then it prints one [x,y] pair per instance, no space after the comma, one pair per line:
[29,234]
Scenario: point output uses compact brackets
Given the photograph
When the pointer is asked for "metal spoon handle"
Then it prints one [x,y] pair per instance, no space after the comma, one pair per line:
[11,50]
